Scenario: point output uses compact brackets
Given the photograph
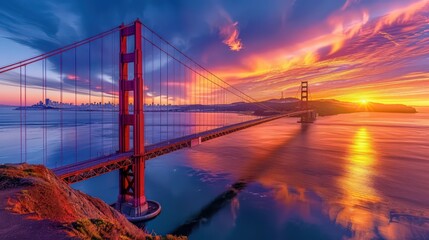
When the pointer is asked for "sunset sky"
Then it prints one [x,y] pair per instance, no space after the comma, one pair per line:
[351,50]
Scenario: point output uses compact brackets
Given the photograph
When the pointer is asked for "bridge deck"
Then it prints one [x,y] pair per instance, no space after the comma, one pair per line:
[83,170]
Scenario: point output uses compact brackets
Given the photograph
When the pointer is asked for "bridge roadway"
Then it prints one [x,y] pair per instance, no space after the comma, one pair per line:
[87,169]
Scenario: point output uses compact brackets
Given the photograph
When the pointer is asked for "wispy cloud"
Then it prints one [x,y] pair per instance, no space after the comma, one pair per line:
[227,28]
[348,3]
[230,34]
[401,15]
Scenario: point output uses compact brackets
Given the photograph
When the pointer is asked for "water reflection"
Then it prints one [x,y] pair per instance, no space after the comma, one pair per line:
[357,184]
[347,176]
[250,171]
[352,205]
[358,181]
[229,196]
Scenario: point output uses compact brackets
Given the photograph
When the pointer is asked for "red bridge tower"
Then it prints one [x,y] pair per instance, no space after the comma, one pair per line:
[132,200]
[310,115]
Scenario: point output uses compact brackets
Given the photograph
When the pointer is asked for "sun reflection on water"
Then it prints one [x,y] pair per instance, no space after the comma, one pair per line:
[361,161]
[357,183]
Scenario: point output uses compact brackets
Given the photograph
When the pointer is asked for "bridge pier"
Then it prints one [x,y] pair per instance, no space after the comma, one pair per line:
[308,117]
[132,200]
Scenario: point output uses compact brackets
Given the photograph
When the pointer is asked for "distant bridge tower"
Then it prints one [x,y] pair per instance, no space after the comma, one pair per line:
[310,115]
[132,200]
[304,95]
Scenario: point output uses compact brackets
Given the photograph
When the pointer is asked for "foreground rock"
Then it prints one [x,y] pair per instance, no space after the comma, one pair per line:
[35,204]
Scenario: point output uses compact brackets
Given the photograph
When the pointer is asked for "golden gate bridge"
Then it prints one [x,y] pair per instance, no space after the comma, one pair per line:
[119,98]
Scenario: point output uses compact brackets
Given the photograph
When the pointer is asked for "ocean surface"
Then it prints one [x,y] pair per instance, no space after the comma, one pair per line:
[349,176]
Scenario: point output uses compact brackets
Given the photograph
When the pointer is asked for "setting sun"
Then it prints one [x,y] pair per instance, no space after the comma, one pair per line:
[363,101]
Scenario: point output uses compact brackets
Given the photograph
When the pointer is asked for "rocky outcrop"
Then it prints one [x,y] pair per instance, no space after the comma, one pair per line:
[40,204]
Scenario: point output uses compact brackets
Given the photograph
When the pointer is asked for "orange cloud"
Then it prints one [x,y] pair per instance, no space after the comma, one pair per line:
[230,34]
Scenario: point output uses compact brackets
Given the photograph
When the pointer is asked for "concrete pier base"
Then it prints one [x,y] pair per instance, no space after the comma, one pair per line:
[141,213]
[309,117]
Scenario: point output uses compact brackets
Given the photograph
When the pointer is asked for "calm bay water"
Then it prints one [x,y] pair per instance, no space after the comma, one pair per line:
[357,176]
[57,138]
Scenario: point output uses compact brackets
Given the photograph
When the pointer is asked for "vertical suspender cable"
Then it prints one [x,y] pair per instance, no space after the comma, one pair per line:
[20,111]
[168,95]
[25,113]
[46,113]
[90,101]
[206,87]
[111,105]
[160,95]
[173,98]
[102,100]
[43,125]
[75,104]
[197,100]
[61,111]
[183,101]
[152,88]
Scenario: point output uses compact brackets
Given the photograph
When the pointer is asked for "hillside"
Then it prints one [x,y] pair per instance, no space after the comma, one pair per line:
[322,107]
[35,204]
[332,107]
